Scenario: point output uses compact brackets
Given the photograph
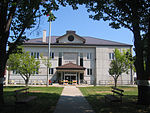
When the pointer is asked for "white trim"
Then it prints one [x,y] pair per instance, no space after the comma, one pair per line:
[143,82]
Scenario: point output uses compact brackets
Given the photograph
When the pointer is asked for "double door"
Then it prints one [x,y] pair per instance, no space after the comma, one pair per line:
[70,78]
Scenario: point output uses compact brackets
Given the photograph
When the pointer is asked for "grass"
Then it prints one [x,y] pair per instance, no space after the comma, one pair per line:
[45,103]
[95,96]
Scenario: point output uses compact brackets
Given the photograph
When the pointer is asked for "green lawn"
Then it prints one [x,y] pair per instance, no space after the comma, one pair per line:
[95,96]
[45,103]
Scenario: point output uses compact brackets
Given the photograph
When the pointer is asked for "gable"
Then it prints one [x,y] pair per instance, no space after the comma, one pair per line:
[70,37]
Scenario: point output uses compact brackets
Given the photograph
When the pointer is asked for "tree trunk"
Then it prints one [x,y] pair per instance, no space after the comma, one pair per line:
[1,95]
[115,80]
[143,95]
[27,82]
[143,84]
[143,89]
[2,71]
[3,60]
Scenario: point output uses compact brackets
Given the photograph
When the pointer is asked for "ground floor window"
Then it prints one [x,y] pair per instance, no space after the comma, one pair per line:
[51,71]
[89,71]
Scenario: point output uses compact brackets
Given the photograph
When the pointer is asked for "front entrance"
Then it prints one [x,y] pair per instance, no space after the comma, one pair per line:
[70,78]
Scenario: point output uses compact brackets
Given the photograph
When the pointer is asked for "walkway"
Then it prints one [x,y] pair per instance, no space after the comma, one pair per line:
[72,101]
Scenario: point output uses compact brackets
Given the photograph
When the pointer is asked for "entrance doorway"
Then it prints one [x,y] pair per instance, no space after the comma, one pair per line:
[70,77]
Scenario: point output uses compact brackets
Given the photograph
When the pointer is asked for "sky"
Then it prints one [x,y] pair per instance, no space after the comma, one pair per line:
[79,21]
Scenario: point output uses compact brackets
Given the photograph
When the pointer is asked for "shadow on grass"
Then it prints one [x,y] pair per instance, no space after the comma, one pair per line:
[127,106]
[45,102]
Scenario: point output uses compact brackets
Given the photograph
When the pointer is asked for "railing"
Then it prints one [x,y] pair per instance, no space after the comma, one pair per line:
[31,82]
[111,82]
[91,82]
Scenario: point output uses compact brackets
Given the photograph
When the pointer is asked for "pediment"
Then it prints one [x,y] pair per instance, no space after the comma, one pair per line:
[70,37]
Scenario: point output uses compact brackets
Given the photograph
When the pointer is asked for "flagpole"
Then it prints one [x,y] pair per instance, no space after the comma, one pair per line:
[49,47]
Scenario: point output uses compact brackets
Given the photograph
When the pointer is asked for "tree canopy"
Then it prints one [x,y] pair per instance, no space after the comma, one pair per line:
[120,64]
[23,64]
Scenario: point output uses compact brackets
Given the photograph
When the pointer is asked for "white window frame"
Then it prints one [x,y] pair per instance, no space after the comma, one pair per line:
[52,55]
[36,72]
[50,71]
[36,55]
[89,71]
[111,56]
[89,56]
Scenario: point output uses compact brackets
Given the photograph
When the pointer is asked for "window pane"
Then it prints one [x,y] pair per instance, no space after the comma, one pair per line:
[87,71]
[60,62]
[37,54]
[110,56]
[37,71]
[90,55]
[90,71]
[52,55]
[60,54]
[113,56]
[87,55]
[31,53]
[81,61]
[52,70]
[81,55]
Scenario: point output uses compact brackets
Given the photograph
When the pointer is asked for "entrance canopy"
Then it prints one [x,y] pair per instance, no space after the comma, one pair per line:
[70,67]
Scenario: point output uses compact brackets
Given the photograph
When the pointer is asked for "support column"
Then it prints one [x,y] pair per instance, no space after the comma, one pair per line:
[79,77]
[6,81]
[61,76]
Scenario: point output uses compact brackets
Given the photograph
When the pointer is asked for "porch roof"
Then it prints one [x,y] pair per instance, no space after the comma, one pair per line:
[70,66]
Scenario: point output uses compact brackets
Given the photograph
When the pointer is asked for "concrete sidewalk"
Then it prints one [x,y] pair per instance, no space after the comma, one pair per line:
[72,101]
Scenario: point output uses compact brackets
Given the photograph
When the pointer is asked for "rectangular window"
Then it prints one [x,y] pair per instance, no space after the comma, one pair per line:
[37,71]
[81,55]
[31,53]
[111,56]
[81,59]
[60,54]
[14,72]
[60,59]
[60,62]
[89,55]
[51,71]
[35,54]
[89,71]
[52,55]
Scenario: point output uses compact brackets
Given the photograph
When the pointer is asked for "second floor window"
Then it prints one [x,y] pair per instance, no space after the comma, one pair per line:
[81,59]
[111,56]
[52,55]
[89,55]
[60,59]
[51,71]
[35,54]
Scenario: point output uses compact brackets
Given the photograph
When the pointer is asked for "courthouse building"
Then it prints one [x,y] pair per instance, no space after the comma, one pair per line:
[83,59]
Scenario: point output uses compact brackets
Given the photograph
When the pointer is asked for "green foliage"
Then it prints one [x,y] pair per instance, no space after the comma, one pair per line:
[120,13]
[120,64]
[23,64]
[46,61]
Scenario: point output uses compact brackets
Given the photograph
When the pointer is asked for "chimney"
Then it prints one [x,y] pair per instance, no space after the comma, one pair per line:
[44,36]
[70,32]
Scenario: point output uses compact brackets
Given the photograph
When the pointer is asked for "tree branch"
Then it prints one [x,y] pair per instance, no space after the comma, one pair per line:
[20,35]
[119,21]
[11,14]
